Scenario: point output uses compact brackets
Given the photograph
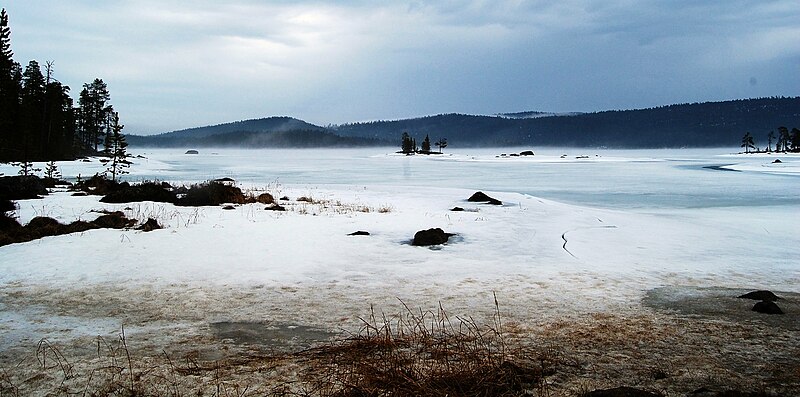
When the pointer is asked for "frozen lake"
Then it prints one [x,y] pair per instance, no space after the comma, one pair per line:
[589,236]
[622,179]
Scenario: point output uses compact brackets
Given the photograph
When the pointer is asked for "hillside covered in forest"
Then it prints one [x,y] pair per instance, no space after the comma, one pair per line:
[685,125]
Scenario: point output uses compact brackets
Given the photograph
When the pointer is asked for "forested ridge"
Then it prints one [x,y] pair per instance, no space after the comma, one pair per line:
[684,125]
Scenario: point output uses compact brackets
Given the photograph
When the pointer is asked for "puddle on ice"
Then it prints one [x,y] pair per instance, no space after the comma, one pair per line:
[279,336]
[719,302]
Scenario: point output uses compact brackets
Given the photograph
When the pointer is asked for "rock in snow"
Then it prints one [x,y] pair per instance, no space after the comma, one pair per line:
[481,197]
[435,236]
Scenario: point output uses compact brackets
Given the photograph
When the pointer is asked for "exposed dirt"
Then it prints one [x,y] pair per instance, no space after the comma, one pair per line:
[184,340]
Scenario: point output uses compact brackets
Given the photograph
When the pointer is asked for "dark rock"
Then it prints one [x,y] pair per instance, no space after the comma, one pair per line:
[225,179]
[148,191]
[777,161]
[21,187]
[621,392]
[457,209]
[192,151]
[767,307]
[149,226]
[285,198]
[228,207]
[79,194]
[526,153]
[481,197]
[114,220]
[265,198]
[275,207]
[359,233]
[760,296]
[435,236]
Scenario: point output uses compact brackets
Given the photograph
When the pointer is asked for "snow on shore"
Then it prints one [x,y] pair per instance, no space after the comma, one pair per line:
[541,257]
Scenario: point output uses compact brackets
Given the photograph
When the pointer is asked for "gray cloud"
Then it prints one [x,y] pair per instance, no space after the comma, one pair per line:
[172,65]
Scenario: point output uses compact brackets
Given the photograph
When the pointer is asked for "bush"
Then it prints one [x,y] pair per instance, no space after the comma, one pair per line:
[99,185]
[21,187]
[211,193]
[146,191]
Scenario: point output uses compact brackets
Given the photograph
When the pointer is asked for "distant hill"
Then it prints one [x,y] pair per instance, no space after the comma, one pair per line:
[686,125]
[268,132]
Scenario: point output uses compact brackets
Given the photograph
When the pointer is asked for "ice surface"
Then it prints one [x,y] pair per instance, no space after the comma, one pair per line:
[573,235]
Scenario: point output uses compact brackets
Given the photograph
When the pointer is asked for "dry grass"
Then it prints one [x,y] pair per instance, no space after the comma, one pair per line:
[416,353]
[425,353]
[429,352]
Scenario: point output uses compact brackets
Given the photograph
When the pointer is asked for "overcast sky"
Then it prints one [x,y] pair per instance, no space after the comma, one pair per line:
[176,64]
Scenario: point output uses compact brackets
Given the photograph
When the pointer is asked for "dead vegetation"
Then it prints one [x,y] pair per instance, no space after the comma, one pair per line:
[432,353]
[426,354]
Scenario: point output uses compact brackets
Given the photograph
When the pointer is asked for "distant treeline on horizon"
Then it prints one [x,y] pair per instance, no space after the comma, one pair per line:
[706,124]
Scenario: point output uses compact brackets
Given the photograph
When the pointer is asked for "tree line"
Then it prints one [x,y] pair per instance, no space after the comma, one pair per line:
[785,141]
[38,118]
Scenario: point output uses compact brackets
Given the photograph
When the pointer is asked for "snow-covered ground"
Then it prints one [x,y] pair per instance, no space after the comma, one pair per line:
[575,235]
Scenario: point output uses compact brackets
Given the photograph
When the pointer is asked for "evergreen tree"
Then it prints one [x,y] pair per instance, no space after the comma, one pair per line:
[795,137]
[426,144]
[10,86]
[51,170]
[407,145]
[32,111]
[783,139]
[117,163]
[94,114]
[747,142]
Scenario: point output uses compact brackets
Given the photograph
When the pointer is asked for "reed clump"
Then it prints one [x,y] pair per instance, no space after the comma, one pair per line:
[426,353]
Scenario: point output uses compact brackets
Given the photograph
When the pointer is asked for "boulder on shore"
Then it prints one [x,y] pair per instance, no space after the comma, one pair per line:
[435,236]
[762,295]
[481,197]
[767,307]
[192,151]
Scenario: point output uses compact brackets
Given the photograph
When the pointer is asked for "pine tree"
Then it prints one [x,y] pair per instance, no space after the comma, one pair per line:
[783,139]
[426,144]
[407,145]
[10,86]
[32,111]
[94,113]
[51,170]
[747,142]
[117,163]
